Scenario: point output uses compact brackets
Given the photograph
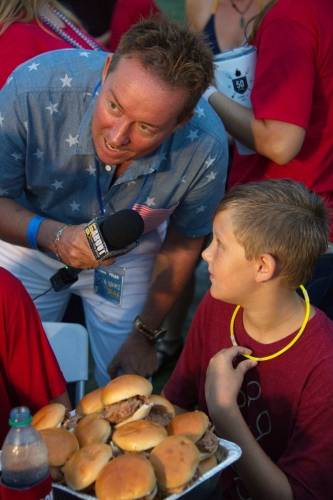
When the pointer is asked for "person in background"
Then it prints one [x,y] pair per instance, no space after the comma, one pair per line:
[278,404]
[29,373]
[224,22]
[125,14]
[87,134]
[290,123]
[31,27]
[95,15]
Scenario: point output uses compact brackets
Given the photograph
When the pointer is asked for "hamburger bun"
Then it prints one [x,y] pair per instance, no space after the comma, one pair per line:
[175,461]
[162,411]
[207,464]
[92,429]
[91,403]
[192,424]
[158,400]
[61,445]
[139,436]
[125,387]
[139,414]
[49,416]
[127,477]
[82,469]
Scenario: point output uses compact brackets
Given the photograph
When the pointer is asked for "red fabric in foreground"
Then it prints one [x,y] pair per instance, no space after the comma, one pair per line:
[29,372]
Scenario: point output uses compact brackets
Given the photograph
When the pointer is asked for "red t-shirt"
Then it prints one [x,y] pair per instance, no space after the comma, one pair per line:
[294,84]
[22,41]
[287,402]
[29,372]
[125,14]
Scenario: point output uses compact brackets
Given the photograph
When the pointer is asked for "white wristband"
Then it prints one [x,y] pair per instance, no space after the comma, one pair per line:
[208,92]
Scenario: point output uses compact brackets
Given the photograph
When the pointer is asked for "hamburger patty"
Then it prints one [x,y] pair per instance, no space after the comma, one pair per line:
[159,415]
[209,442]
[117,412]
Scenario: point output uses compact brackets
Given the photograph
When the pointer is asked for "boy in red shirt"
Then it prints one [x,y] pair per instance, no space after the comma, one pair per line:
[277,405]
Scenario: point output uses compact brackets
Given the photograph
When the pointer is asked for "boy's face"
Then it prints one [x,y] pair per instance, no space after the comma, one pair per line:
[232,275]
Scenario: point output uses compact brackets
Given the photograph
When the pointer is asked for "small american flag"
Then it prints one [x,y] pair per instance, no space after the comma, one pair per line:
[153,217]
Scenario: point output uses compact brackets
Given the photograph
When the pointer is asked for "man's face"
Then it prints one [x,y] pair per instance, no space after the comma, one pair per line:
[134,113]
[232,275]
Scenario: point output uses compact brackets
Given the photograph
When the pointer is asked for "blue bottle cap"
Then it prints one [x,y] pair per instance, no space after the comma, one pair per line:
[20,417]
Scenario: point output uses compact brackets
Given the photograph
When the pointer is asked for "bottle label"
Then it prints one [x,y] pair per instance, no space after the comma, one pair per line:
[39,491]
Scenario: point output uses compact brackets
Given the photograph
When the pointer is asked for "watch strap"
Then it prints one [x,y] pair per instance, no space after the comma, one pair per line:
[147,332]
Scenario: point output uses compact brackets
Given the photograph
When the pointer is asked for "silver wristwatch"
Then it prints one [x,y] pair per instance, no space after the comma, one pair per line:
[150,334]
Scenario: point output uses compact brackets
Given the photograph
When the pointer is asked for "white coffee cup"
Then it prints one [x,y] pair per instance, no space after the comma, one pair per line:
[234,76]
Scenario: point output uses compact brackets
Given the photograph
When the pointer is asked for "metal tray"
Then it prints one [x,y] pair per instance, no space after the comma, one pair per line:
[199,490]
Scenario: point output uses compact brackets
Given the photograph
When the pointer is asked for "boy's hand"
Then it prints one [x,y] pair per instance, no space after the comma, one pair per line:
[223,380]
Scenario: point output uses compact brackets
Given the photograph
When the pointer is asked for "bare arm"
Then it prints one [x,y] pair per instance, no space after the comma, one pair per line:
[197,13]
[73,247]
[278,141]
[174,264]
[260,475]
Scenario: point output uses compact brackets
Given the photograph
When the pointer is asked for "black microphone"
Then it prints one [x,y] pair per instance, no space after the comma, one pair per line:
[108,237]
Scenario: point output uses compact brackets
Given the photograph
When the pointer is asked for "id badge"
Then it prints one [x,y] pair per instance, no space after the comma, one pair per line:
[109,284]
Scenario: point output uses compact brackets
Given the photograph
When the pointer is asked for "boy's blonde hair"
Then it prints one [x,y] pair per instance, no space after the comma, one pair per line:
[282,218]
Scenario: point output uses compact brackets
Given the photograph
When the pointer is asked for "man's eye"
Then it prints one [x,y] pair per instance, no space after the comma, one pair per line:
[146,129]
[112,105]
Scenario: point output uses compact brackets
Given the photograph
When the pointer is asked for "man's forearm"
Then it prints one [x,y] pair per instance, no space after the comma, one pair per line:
[14,221]
[173,267]
[261,476]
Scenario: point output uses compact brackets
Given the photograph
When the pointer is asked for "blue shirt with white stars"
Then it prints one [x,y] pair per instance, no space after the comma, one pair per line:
[48,161]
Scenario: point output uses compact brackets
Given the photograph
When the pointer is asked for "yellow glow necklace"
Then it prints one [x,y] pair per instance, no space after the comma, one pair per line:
[285,348]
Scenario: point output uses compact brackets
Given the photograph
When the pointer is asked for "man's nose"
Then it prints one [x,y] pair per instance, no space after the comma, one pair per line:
[120,134]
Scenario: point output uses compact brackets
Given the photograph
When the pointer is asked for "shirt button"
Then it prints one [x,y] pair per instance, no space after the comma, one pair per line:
[108,168]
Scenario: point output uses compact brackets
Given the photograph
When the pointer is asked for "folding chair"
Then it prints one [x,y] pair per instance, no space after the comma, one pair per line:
[69,342]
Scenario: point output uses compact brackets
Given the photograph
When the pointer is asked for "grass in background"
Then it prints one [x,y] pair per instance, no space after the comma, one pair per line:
[173,8]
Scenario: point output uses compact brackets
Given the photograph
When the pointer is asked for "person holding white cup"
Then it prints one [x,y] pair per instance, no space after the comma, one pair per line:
[291,120]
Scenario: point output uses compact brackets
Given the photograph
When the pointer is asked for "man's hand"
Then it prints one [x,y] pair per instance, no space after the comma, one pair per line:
[136,355]
[73,249]
[223,381]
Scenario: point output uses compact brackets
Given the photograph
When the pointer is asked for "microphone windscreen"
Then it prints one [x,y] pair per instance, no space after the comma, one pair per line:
[122,228]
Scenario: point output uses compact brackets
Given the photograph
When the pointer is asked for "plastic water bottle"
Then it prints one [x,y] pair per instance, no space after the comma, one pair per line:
[24,460]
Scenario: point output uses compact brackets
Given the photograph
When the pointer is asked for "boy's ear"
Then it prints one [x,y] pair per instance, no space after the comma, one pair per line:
[266,268]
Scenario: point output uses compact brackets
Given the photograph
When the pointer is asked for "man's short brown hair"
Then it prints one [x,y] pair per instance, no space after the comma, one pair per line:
[282,218]
[178,57]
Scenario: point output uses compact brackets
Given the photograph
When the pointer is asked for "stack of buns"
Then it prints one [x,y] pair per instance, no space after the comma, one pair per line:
[125,442]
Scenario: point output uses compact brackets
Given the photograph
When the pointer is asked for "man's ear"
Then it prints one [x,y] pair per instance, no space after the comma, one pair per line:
[266,268]
[106,67]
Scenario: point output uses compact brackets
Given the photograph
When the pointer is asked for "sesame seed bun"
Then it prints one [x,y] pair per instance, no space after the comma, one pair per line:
[125,387]
[49,416]
[175,461]
[127,477]
[91,403]
[82,469]
[139,436]
[61,445]
[92,429]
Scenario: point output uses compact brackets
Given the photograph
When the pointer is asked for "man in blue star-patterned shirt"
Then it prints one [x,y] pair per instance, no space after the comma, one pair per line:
[85,134]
